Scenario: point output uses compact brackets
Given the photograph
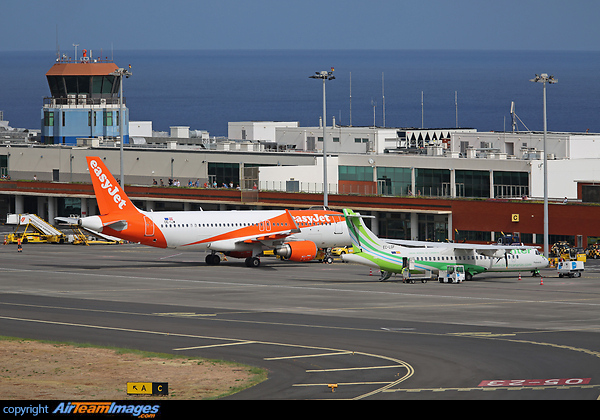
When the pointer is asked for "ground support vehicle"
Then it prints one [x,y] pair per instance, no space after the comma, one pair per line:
[570,268]
[341,250]
[561,249]
[324,256]
[35,230]
[453,274]
[593,251]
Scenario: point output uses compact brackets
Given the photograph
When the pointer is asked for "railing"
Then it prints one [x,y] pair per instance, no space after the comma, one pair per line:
[82,101]
[304,187]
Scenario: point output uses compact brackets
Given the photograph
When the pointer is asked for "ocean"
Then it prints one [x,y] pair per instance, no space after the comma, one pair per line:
[207,89]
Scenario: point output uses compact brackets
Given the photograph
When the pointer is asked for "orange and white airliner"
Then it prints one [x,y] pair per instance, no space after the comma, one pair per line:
[293,234]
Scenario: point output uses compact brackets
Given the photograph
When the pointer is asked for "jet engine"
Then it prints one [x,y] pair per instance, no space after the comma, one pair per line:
[297,251]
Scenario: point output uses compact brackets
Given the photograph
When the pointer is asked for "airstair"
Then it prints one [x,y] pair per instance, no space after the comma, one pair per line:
[35,230]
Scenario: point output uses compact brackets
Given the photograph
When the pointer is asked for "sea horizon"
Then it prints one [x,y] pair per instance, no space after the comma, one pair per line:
[207,88]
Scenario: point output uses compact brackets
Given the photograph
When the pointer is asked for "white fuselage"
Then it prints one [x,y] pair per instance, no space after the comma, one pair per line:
[222,230]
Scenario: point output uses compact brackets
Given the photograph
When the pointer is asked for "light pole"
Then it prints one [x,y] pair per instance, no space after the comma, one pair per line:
[324,75]
[120,73]
[544,78]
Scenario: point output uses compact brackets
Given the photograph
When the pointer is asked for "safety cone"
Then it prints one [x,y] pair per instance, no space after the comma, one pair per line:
[519,276]
[370,271]
[541,281]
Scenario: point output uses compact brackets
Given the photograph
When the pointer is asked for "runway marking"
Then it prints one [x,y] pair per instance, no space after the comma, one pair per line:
[534,382]
[354,368]
[241,343]
[309,355]
[341,384]
[182,314]
[170,256]
[489,389]
[481,334]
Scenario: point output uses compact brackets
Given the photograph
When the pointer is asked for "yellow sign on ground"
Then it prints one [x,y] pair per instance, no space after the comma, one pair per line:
[149,388]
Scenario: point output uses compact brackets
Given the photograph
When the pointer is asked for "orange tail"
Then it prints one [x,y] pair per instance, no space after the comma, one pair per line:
[110,196]
[118,216]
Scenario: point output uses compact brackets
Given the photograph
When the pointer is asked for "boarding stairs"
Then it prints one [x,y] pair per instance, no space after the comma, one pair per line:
[35,229]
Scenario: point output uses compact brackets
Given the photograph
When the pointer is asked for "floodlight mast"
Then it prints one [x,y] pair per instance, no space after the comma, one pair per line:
[120,73]
[544,78]
[324,75]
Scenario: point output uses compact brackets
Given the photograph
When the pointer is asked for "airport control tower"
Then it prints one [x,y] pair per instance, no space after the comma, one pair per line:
[84,101]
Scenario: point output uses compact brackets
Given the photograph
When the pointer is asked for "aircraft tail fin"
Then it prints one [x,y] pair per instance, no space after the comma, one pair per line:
[109,194]
[360,235]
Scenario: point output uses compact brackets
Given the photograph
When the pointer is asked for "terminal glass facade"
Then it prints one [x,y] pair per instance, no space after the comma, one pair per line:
[355,173]
[472,183]
[394,181]
[432,182]
[395,226]
[511,184]
[397,181]
[224,173]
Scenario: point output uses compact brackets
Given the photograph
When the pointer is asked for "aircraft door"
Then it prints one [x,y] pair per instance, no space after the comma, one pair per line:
[264,226]
[338,225]
[148,227]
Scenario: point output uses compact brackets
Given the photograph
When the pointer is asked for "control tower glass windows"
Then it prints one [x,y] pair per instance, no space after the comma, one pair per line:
[110,84]
[93,86]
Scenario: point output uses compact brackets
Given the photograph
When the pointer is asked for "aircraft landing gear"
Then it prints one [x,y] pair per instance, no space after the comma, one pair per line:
[385,275]
[252,262]
[212,259]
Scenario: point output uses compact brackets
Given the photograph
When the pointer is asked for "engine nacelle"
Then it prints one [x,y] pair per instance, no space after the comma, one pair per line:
[298,251]
[91,222]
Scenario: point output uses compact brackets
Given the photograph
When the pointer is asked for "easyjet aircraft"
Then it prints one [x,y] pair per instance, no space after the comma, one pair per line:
[293,234]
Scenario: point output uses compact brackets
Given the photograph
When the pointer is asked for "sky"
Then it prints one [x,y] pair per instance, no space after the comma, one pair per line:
[35,25]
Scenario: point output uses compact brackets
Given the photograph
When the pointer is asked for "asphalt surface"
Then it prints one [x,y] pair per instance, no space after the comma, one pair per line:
[313,325]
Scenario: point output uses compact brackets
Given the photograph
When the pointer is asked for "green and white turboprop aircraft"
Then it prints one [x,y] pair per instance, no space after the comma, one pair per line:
[391,256]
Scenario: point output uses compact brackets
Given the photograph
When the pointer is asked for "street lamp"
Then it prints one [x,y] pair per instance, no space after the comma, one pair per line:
[120,73]
[324,75]
[544,78]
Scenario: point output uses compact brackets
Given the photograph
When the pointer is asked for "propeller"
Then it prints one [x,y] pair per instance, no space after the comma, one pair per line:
[505,258]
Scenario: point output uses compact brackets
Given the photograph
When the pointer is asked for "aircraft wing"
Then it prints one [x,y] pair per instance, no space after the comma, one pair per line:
[254,234]
[491,250]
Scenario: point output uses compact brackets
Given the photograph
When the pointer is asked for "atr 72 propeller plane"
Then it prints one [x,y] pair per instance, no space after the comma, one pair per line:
[391,257]
[293,234]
